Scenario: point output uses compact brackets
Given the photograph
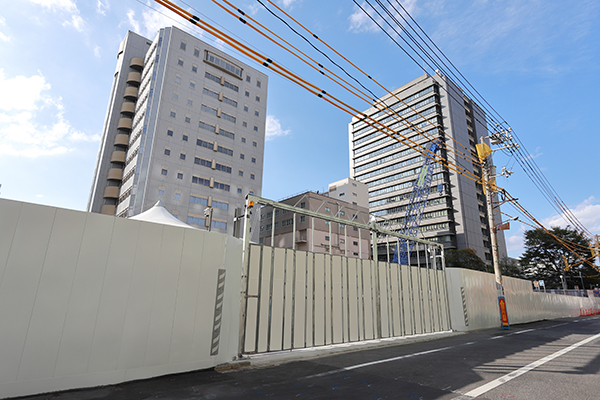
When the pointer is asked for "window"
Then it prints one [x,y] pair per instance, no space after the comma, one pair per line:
[180,175]
[247,94]
[182,46]
[256,113]
[223,64]
[196,220]
[180,62]
[164,172]
[303,205]
[244,124]
[182,156]
[251,192]
[225,133]
[254,160]
[242,156]
[172,114]
[198,200]
[341,194]
[208,109]
[196,52]
[192,85]
[257,83]
[206,126]
[203,162]
[194,69]
[225,150]
[167,152]
[161,192]
[212,77]
[219,204]
[247,78]
[177,195]
[243,140]
[177,78]
[190,102]
[229,101]
[175,96]
[255,128]
[354,228]
[245,108]
[239,190]
[202,143]
[200,181]
[254,144]
[302,218]
[223,168]
[185,137]
[211,93]
[228,117]
[355,243]
[241,173]
[252,176]
[187,119]
[222,186]
[327,237]
[257,98]
[169,132]
[219,224]
[231,86]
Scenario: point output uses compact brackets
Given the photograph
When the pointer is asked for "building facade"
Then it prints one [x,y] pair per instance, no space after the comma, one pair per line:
[315,234]
[455,213]
[185,125]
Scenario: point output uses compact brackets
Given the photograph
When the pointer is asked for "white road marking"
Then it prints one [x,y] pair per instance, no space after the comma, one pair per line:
[335,371]
[508,377]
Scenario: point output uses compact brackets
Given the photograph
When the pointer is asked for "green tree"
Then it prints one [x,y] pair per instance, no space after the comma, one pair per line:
[465,258]
[511,267]
[543,258]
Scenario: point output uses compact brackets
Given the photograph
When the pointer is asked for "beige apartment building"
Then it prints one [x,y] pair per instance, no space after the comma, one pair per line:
[315,234]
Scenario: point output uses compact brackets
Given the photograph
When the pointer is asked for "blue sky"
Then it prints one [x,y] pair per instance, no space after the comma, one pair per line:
[535,62]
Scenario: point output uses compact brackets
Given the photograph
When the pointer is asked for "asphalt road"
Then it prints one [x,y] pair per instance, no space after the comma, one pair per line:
[557,359]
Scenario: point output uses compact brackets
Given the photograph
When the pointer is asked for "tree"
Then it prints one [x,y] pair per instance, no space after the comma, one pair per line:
[511,267]
[543,257]
[465,258]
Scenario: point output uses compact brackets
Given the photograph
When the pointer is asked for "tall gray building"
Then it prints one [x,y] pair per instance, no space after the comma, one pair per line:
[455,213]
[185,125]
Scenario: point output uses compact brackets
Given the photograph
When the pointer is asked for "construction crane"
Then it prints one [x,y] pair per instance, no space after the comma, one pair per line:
[416,205]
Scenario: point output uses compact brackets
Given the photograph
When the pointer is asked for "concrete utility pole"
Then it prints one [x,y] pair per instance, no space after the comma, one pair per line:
[489,186]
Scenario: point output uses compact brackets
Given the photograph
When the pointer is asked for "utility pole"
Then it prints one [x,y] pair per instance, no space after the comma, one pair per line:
[489,187]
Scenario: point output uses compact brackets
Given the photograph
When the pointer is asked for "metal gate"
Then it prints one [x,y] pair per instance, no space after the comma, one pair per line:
[294,299]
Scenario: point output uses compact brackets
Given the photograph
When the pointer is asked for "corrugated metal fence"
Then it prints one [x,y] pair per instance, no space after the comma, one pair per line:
[297,299]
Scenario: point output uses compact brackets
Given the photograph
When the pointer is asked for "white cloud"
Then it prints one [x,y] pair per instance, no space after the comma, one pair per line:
[587,212]
[102,7]
[23,104]
[67,6]
[3,37]
[287,3]
[361,22]
[274,129]
[97,51]
[151,21]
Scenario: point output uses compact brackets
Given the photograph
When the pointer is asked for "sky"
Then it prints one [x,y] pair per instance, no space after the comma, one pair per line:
[535,62]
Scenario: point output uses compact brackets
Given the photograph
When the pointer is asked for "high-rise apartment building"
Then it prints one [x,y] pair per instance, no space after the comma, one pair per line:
[455,213]
[185,125]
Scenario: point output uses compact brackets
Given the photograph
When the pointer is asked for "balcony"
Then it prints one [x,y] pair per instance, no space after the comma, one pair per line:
[134,78]
[108,209]
[122,139]
[111,192]
[128,108]
[118,156]
[125,123]
[115,174]
[137,63]
[131,93]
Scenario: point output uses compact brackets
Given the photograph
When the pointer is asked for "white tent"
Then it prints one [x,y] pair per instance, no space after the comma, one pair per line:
[159,215]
